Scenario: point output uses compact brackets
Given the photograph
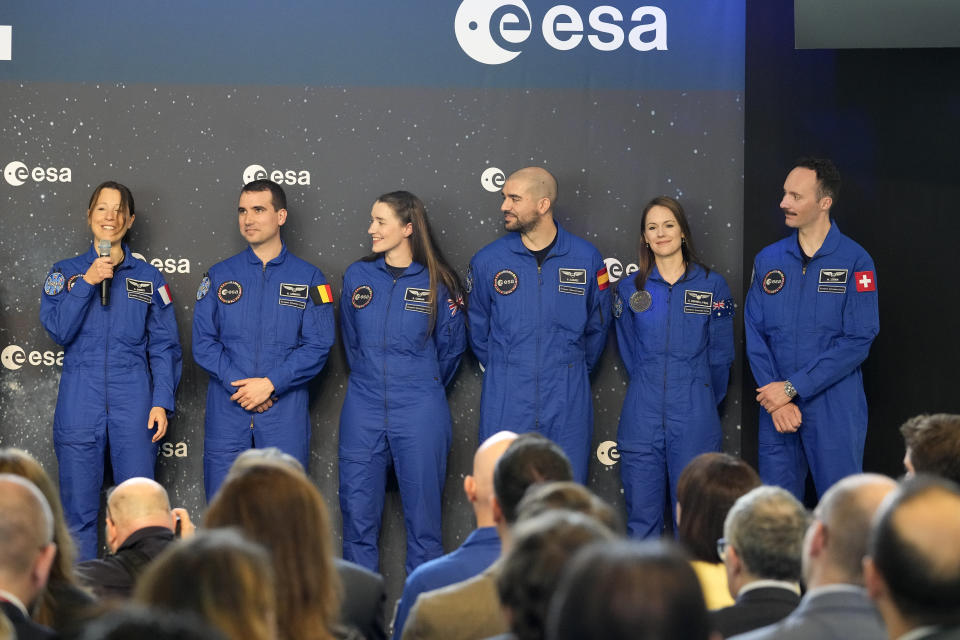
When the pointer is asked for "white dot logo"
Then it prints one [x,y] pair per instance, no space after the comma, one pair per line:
[487,29]
[254,172]
[15,173]
[492,179]
[12,357]
[607,453]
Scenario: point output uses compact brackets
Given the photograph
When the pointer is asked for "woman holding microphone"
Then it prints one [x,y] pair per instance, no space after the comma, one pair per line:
[403,329]
[113,315]
[674,324]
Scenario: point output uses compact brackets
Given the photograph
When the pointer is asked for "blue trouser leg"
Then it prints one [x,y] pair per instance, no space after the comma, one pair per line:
[80,456]
[782,461]
[832,444]
[363,480]
[643,473]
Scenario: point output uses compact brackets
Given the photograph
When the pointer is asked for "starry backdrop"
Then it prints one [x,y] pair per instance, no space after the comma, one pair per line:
[183,149]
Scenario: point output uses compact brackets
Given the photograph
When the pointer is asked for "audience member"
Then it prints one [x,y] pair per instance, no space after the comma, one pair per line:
[629,590]
[541,547]
[362,594]
[282,510]
[571,496]
[219,576]
[136,623]
[706,490]
[27,552]
[139,524]
[64,605]
[836,606]
[912,570]
[933,445]
[471,609]
[482,546]
[761,548]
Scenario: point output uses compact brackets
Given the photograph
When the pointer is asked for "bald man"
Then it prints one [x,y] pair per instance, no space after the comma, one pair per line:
[539,314]
[481,547]
[26,553]
[836,606]
[140,524]
[912,570]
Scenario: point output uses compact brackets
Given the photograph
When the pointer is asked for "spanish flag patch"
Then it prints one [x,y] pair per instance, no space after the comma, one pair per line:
[321,294]
[603,280]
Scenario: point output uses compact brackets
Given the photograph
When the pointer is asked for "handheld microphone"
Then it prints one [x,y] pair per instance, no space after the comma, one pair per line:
[104,251]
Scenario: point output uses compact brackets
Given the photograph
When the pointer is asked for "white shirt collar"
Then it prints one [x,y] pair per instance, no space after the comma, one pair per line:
[15,601]
[767,584]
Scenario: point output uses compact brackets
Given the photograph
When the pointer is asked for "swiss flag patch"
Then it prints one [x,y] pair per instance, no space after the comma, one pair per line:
[865,280]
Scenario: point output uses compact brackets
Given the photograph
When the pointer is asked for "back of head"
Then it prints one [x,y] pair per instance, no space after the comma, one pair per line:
[26,527]
[570,496]
[766,527]
[139,500]
[629,591]
[707,488]
[541,548]
[219,576]
[264,456]
[914,546]
[135,623]
[530,459]
[282,510]
[846,510]
[933,444]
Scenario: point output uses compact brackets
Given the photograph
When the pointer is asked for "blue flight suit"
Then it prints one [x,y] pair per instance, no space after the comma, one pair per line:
[538,331]
[478,551]
[395,409]
[252,321]
[813,327]
[120,361]
[678,352]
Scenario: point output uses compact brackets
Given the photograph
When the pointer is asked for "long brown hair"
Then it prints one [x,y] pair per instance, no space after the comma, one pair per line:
[646,260]
[409,209]
[282,510]
[21,463]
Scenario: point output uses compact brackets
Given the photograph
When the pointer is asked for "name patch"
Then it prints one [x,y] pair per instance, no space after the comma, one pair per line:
[419,308]
[573,276]
[420,296]
[568,289]
[833,276]
[141,290]
[293,290]
[299,304]
[698,299]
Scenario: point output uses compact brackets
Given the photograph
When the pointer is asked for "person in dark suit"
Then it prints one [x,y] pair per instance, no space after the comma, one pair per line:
[27,551]
[761,549]
[836,606]
[912,569]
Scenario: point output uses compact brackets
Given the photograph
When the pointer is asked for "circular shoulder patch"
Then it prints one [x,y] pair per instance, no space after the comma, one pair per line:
[774,281]
[204,288]
[505,282]
[641,300]
[72,281]
[362,296]
[54,284]
[229,292]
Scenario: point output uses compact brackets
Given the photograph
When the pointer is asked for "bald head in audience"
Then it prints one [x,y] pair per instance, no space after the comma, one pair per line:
[135,504]
[478,486]
[26,538]
[912,569]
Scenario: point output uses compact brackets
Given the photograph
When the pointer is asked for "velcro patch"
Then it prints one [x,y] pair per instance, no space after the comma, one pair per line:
[293,290]
[827,288]
[141,290]
[420,296]
[419,308]
[574,290]
[700,310]
[833,276]
[698,299]
[572,276]
[299,304]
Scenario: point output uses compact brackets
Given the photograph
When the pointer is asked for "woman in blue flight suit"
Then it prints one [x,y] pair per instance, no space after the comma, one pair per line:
[121,367]
[674,326]
[403,329]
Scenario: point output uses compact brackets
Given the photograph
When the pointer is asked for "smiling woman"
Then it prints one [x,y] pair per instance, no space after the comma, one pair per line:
[121,365]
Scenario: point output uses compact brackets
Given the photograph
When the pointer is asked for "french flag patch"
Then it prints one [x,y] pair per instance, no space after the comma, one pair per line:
[165,296]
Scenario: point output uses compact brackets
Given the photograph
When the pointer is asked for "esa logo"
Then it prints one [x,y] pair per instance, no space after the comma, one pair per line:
[607,453]
[173,449]
[492,179]
[17,173]
[166,265]
[289,176]
[615,269]
[14,357]
[491,32]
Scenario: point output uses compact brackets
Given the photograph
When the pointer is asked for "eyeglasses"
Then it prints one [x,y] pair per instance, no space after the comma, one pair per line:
[722,548]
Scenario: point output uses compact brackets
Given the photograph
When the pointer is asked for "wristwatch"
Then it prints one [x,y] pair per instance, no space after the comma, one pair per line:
[789,389]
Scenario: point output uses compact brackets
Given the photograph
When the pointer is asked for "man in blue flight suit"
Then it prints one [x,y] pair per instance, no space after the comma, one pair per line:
[811,315]
[262,328]
[539,314]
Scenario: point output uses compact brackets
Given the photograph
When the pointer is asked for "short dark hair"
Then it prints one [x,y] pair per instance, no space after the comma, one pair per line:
[766,527]
[828,176]
[706,490]
[924,587]
[277,196]
[135,622]
[629,590]
[934,444]
[529,459]
[540,549]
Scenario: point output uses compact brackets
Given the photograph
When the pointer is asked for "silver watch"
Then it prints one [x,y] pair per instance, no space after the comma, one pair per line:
[789,389]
